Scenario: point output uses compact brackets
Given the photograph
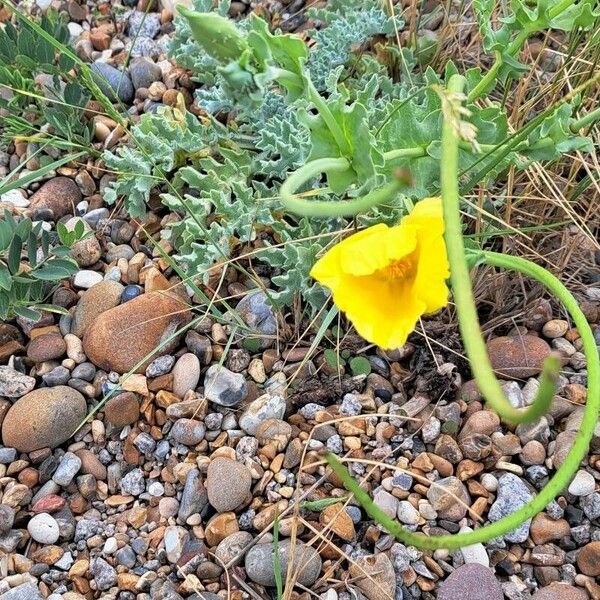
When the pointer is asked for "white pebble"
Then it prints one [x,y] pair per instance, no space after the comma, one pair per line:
[489,482]
[15,197]
[86,279]
[43,528]
[156,489]
[110,546]
[475,553]
[583,484]
[407,513]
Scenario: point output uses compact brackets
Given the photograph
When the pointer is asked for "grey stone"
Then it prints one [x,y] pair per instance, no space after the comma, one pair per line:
[113,83]
[7,455]
[14,384]
[257,313]
[58,376]
[25,591]
[306,562]
[143,24]
[160,366]
[133,483]
[143,73]
[144,442]
[512,494]
[104,575]
[126,556]
[267,406]
[194,497]
[67,469]
[188,432]
[224,387]
[7,518]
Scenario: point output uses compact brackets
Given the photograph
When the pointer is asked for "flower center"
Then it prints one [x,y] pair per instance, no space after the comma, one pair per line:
[400,269]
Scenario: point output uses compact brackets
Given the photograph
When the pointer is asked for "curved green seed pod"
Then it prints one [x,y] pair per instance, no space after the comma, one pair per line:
[216,34]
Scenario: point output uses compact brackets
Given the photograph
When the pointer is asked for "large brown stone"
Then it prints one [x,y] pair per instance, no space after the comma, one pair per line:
[120,338]
[518,357]
[46,417]
[60,195]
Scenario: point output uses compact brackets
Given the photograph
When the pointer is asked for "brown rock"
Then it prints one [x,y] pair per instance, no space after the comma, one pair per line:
[90,464]
[449,497]
[10,348]
[560,591]
[48,554]
[338,520]
[60,195]
[544,529]
[123,409]
[123,336]
[220,527]
[518,357]
[58,412]
[98,299]
[228,483]
[48,346]
[588,559]
[49,504]
[375,576]
[484,422]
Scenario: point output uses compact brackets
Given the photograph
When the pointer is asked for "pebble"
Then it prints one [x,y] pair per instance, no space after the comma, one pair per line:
[28,590]
[259,562]
[122,409]
[560,591]
[224,387]
[588,559]
[407,513]
[121,338]
[143,73]
[174,539]
[267,406]
[583,484]
[186,374]
[188,432]
[443,497]
[67,469]
[518,357]
[471,581]
[14,384]
[257,313]
[113,83]
[43,528]
[58,412]
[555,328]
[375,576]
[7,518]
[86,279]
[194,497]
[160,366]
[59,195]
[475,553]
[133,483]
[46,347]
[143,24]
[104,575]
[512,494]
[228,484]
[130,292]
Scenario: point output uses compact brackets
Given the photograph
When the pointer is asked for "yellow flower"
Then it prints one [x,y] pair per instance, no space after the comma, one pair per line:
[385,278]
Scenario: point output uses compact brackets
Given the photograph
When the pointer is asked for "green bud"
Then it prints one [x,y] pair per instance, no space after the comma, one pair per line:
[216,34]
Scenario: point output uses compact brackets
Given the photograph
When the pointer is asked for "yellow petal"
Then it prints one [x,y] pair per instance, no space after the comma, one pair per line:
[432,271]
[428,215]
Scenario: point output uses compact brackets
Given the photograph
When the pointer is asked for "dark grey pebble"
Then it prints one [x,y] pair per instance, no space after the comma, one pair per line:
[115,84]
[143,73]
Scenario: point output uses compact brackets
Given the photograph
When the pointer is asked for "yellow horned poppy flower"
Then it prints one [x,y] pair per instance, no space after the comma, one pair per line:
[385,278]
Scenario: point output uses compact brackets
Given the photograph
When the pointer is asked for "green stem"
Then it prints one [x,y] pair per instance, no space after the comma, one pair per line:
[512,49]
[586,120]
[463,293]
[415,152]
[333,208]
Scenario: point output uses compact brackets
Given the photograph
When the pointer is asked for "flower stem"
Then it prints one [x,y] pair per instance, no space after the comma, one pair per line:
[586,120]
[463,293]
[327,209]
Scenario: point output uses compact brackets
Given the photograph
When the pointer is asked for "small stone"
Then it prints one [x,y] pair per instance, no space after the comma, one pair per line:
[194,497]
[583,484]
[86,279]
[375,576]
[174,539]
[449,498]
[267,406]
[143,24]
[337,520]
[560,591]
[130,292]
[186,374]
[219,527]
[45,347]
[113,83]
[518,357]
[160,366]
[588,559]
[143,73]
[123,409]
[24,591]
[544,529]
[228,484]
[133,483]
[7,519]
[104,575]
[274,431]
[471,581]
[386,502]
[67,469]
[43,528]
[475,553]
[306,563]
[257,312]
[224,387]
[58,412]
[59,195]
[188,431]
[512,495]
[233,546]
[407,513]
[555,328]
[200,345]
[14,384]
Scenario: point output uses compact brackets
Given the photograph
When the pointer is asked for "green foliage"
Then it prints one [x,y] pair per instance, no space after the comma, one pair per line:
[224,181]
[359,365]
[41,83]
[30,266]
